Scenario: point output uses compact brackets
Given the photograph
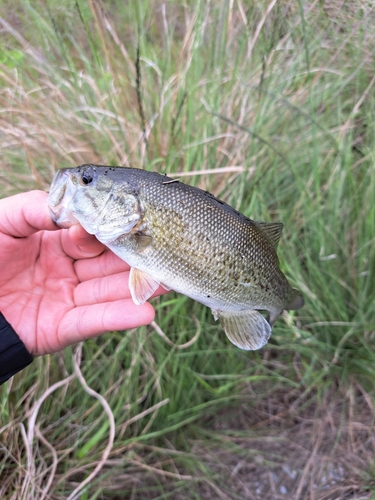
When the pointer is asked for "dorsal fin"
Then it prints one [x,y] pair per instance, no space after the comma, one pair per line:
[272,230]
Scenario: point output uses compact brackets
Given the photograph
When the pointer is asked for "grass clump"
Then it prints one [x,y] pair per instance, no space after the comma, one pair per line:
[269,106]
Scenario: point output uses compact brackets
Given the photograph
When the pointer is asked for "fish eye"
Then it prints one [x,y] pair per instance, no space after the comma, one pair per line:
[86,178]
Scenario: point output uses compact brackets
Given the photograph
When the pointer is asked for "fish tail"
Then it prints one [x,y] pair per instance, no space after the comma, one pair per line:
[296,301]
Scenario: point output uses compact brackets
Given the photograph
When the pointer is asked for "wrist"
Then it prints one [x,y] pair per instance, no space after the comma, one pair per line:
[13,354]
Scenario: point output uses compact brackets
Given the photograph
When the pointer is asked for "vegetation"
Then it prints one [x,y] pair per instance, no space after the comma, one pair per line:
[270,106]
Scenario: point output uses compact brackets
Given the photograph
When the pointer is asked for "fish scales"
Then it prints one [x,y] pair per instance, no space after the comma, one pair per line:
[183,238]
[200,235]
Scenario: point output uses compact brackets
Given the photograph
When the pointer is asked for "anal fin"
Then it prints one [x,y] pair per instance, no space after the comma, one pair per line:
[248,330]
[141,285]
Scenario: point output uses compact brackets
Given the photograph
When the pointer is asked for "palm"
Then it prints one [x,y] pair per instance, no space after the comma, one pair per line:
[58,287]
[36,287]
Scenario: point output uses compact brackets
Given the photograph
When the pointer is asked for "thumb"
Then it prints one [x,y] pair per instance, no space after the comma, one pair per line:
[24,214]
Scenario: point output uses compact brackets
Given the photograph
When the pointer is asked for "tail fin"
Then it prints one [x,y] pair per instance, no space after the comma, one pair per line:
[296,301]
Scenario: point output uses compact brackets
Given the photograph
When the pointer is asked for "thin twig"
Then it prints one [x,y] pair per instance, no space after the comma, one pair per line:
[160,332]
[79,490]
[53,467]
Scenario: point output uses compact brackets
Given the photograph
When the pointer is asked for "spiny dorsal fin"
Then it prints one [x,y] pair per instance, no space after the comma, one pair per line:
[272,230]
[247,330]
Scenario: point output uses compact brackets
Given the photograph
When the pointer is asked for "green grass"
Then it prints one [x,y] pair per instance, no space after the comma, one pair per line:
[285,98]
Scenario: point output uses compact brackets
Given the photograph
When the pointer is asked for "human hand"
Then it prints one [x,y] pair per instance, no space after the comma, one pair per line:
[60,286]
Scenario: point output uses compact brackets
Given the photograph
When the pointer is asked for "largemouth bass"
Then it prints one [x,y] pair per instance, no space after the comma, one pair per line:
[183,238]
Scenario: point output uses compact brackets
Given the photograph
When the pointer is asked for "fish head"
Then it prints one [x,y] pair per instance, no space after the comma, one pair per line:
[90,196]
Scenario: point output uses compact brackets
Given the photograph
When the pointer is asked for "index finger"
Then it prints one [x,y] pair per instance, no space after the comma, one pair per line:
[24,214]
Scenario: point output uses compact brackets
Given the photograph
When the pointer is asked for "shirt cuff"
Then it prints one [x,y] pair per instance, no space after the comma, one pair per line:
[13,354]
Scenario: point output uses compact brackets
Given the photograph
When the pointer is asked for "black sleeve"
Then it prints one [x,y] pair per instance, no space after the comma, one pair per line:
[13,354]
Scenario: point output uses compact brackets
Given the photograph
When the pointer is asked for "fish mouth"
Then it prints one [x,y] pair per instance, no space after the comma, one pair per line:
[61,194]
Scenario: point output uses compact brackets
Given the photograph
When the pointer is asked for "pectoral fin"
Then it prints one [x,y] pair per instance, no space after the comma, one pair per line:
[141,285]
[247,330]
[143,241]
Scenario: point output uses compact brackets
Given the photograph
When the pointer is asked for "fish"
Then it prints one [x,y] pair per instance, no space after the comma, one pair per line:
[183,238]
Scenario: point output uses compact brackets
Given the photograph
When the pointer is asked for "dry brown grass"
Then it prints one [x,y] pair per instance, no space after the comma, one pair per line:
[285,446]
[319,452]
[138,416]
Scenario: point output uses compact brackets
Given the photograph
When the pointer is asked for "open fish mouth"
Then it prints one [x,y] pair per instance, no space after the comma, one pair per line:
[61,194]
